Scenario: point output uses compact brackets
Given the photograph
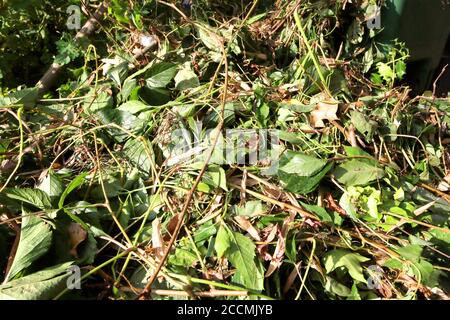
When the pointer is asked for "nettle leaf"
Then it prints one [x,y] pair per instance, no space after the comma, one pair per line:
[35,240]
[347,259]
[358,152]
[123,119]
[209,37]
[35,197]
[42,285]
[251,209]
[216,177]
[161,74]
[357,172]
[363,125]
[98,99]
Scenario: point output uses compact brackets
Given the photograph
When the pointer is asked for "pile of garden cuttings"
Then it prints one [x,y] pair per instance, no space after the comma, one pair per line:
[100,201]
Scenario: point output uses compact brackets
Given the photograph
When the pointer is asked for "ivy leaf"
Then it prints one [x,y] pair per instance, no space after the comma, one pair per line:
[347,259]
[357,172]
[35,240]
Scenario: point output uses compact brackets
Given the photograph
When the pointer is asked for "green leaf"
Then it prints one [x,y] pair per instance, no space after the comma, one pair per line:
[75,183]
[356,172]
[303,184]
[335,287]
[52,185]
[319,211]
[123,119]
[25,96]
[186,79]
[222,241]
[35,197]
[301,164]
[385,71]
[134,107]
[410,252]
[241,254]
[251,209]
[42,285]
[363,125]
[216,177]
[358,152]
[347,259]
[135,151]
[209,38]
[97,99]
[35,240]
[160,74]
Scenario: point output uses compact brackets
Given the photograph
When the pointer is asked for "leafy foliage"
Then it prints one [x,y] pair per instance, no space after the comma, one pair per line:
[106,168]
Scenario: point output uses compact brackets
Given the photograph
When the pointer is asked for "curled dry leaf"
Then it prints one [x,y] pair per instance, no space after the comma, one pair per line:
[280,249]
[334,206]
[171,227]
[76,236]
[157,239]
[325,110]
[246,225]
[269,234]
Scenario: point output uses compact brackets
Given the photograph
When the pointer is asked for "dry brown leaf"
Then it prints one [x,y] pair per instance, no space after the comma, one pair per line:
[157,239]
[76,236]
[278,255]
[325,110]
[246,225]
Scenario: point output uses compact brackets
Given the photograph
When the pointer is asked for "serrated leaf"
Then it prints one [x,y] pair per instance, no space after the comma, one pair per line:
[42,285]
[241,254]
[347,259]
[357,173]
[52,185]
[35,197]
[209,38]
[35,240]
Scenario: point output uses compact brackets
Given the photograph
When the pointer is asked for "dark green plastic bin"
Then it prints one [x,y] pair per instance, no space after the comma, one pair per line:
[424,25]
